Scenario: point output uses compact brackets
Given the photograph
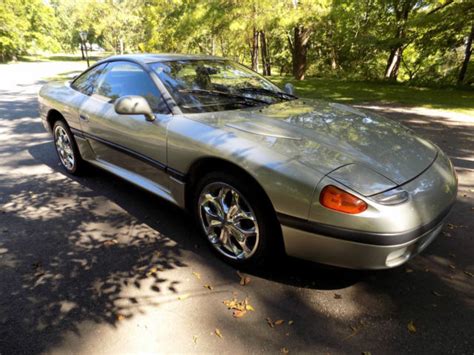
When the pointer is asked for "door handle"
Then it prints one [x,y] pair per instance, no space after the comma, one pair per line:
[84,118]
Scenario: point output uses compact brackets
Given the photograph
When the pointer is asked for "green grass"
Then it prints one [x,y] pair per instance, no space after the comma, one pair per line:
[60,57]
[70,75]
[362,92]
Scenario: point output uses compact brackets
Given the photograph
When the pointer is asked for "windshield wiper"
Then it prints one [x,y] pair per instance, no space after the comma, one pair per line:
[262,91]
[223,94]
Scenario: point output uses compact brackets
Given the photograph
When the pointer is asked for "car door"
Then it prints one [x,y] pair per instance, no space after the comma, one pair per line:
[128,142]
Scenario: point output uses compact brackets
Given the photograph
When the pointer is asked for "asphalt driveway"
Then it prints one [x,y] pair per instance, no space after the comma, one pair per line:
[95,265]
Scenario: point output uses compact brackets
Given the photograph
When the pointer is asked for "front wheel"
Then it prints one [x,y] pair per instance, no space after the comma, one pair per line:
[235,219]
[66,148]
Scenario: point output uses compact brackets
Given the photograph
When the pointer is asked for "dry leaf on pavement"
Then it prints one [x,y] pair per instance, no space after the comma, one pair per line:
[195,339]
[279,322]
[183,297]
[411,327]
[284,350]
[209,287]
[218,333]
[290,322]
[249,307]
[197,274]
[244,280]
[270,323]
[109,242]
[238,314]
[468,273]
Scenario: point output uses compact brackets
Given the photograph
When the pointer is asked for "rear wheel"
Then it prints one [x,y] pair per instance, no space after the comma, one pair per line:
[235,219]
[66,148]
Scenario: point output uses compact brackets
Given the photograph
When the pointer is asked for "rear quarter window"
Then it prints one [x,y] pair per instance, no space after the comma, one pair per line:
[87,82]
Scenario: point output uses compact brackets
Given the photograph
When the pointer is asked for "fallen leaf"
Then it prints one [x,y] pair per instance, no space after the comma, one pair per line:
[408,270]
[209,287]
[279,322]
[183,297]
[238,314]
[270,323]
[468,273]
[290,322]
[218,333]
[241,306]
[195,339]
[436,293]
[197,274]
[411,327]
[120,317]
[284,350]
[249,307]
[337,296]
[452,266]
[152,271]
[109,242]
[244,280]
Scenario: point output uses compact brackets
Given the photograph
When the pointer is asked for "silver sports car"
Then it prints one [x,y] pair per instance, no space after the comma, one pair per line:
[261,170]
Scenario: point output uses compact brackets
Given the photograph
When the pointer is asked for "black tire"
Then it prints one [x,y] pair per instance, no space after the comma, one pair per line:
[77,167]
[270,244]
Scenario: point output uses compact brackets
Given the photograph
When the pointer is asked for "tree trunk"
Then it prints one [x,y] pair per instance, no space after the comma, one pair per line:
[254,50]
[393,63]
[82,51]
[266,68]
[213,45]
[396,51]
[467,57]
[333,59]
[300,51]
[121,45]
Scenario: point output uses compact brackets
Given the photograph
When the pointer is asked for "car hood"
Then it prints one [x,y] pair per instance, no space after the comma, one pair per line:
[328,136]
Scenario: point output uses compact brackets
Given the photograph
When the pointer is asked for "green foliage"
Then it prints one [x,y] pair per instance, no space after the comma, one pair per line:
[422,41]
[24,25]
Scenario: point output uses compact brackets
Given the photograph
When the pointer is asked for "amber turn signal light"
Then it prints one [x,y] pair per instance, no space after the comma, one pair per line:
[339,200]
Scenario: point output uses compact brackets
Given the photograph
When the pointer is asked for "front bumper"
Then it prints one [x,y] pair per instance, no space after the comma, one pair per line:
[382,236]
[354,255]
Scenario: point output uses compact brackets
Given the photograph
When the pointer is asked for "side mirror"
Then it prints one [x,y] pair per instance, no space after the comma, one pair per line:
[134,105]
[289,89]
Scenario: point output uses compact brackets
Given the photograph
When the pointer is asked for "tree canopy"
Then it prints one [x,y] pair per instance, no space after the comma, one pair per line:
[421,41]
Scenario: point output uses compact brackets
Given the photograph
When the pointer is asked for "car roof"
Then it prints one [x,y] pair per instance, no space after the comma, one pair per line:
[147,58]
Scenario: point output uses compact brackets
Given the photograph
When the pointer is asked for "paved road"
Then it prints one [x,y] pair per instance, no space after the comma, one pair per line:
[95,265]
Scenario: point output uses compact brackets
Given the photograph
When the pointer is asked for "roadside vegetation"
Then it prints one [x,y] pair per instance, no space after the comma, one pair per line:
[423,42]
[383,93]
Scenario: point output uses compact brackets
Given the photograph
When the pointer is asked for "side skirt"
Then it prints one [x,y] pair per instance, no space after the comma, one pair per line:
[178,188]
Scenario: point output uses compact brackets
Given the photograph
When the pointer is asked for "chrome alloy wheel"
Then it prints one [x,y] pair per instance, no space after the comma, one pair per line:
[64,147]
[228,221]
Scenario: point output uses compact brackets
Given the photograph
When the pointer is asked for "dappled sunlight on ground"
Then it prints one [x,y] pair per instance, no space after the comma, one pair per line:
[96,265]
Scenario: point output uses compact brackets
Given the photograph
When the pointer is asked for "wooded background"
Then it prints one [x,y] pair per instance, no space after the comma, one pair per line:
[419,41]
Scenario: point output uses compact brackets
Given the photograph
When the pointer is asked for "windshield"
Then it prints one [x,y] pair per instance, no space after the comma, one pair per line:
[216,85]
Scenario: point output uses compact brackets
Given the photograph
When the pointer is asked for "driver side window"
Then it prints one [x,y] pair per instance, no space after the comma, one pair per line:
[124,78]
